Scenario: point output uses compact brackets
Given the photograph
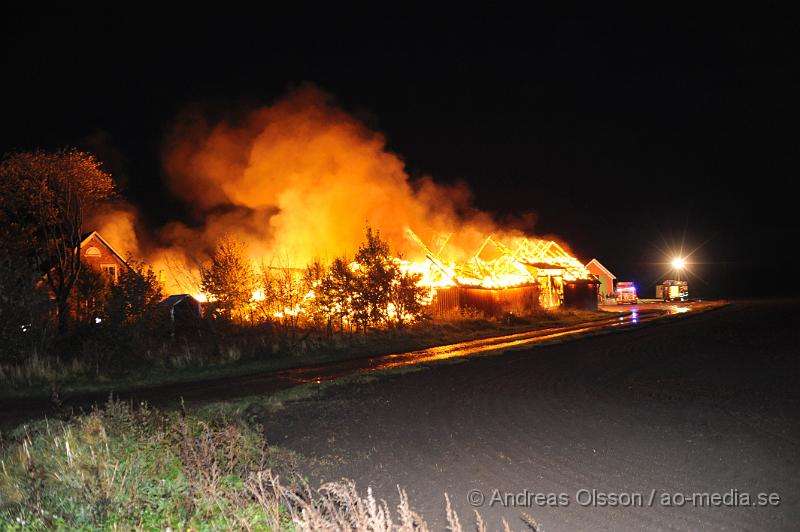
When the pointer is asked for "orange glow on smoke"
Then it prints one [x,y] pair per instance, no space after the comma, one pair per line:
[298,180]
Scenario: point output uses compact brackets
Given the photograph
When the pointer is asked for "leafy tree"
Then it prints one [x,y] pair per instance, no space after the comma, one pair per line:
[338,290]
[43,199]
[407,298]
[92,291]
[24,305]
[374,277]
[229,280]
[135,295]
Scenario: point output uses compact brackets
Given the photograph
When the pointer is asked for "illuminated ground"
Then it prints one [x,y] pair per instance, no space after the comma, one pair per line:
[706,403]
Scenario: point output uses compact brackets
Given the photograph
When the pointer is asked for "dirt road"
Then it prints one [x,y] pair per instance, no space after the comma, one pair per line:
[704,405]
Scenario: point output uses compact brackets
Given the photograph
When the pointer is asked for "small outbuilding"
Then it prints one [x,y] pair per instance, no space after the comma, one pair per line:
[182,308]
[605,277]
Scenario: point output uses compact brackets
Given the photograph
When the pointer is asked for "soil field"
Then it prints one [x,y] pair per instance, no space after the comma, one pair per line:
[667,426]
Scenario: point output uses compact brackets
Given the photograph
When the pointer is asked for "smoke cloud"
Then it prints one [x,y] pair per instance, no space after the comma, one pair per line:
[296,180]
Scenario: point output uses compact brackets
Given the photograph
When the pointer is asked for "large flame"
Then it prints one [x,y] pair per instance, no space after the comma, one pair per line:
[522,264]
[298,180]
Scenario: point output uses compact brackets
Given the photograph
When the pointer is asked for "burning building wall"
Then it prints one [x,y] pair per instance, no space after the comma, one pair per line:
[519,276]
[519,300]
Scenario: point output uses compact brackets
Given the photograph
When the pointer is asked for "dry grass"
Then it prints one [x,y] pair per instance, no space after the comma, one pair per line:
[209,354]
[124,467]
[338,506]
[37,370]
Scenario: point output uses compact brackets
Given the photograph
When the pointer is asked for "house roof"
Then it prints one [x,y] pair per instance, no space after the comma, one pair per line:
[174,299]
[88,236]
[599,266]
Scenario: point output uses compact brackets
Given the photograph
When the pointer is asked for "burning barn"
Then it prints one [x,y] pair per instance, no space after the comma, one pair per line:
[529,274]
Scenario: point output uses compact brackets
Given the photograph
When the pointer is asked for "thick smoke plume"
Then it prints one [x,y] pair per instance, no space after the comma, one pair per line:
[295,181]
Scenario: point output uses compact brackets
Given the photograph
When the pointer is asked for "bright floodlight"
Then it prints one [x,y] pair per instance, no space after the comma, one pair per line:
[678,263]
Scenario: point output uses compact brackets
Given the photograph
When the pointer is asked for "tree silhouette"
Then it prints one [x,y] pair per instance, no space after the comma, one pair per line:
[43,199]
[229,281]
[319,307]
[407,298]
[374,276]
[338,288]
[135,295]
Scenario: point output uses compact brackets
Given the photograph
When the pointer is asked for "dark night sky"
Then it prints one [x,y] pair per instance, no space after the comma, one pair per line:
[622,131]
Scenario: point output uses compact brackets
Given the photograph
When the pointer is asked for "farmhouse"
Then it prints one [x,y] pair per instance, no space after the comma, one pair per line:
[605,277]
[100,256]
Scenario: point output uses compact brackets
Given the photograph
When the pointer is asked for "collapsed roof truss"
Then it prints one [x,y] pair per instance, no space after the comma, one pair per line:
[514,267]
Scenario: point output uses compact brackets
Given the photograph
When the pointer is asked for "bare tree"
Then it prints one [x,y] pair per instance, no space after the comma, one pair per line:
[318,305]
[44,196]
[283,293]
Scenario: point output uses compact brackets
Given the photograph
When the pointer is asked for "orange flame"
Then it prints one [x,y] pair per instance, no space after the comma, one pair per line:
[297,180]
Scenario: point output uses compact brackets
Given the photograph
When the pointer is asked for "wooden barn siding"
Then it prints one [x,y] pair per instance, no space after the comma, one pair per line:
[491,302]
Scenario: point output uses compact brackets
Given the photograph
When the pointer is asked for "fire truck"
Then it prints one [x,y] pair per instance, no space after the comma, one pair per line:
[672,290]
[626,293]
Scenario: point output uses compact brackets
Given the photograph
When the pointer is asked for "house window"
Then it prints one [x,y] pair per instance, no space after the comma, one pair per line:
[110,270]
[92,252]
